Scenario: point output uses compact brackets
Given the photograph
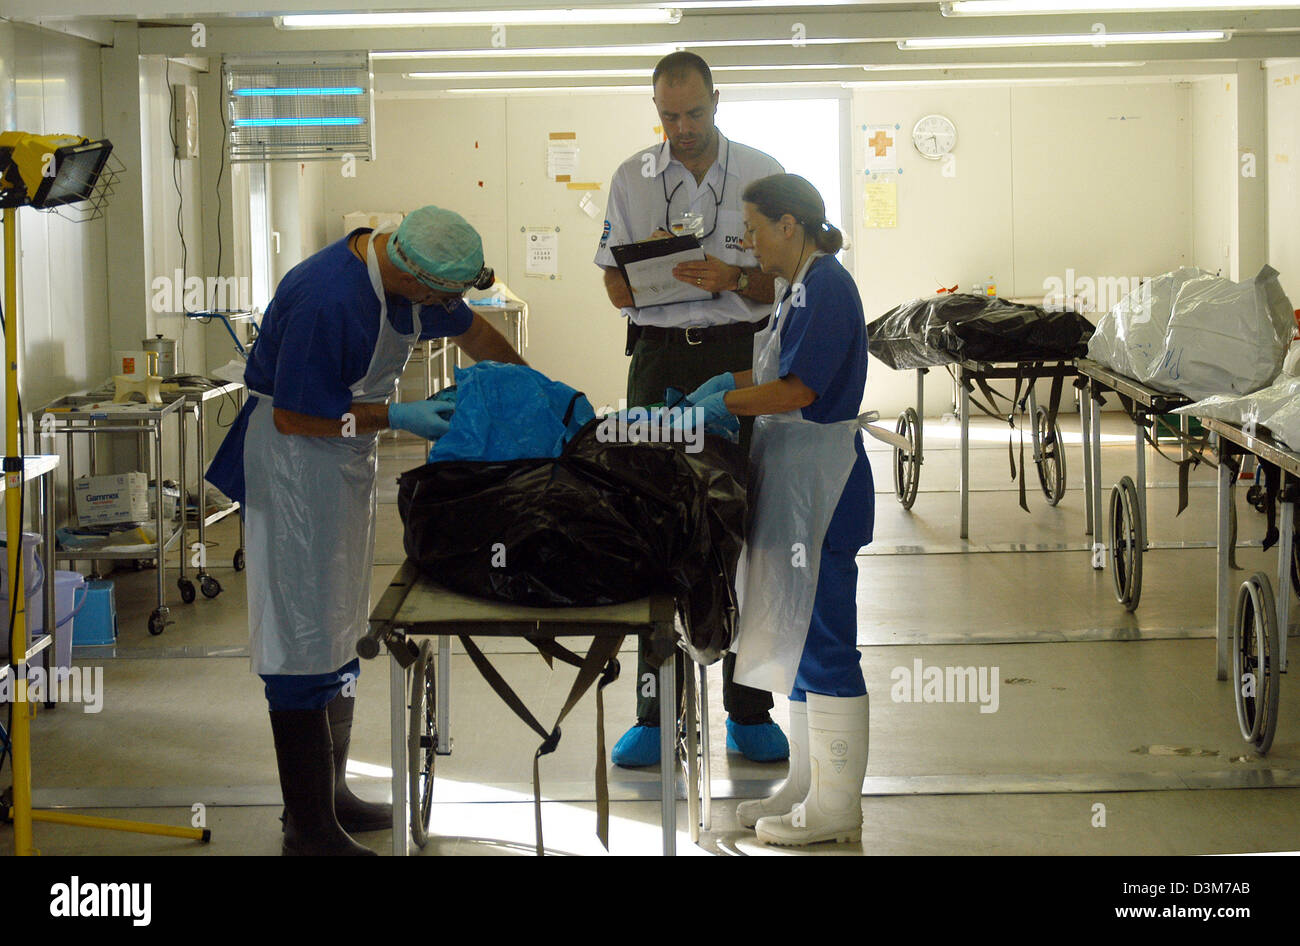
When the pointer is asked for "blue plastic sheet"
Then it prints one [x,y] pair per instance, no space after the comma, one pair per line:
[510,412]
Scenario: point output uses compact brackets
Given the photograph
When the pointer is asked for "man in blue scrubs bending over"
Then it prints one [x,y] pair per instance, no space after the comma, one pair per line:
[302,460]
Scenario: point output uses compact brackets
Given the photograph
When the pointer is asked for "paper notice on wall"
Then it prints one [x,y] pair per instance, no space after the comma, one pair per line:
[881,199]
[880,144]
[541,252]
[561,155]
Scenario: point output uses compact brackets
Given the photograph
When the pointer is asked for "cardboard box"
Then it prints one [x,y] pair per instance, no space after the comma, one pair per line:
[112,499]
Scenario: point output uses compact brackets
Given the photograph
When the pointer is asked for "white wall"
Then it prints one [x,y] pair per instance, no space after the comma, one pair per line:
[1283,156]
[1109,180]
[1213,121]
[163,172]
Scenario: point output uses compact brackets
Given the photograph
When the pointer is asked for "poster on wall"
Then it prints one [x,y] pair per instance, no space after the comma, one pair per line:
[542,252]
[881,202]
[561,155]
[880,144]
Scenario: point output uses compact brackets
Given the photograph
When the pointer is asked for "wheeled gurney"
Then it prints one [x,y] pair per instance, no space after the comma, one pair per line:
[1048,446]
[1253,623]
[416,607]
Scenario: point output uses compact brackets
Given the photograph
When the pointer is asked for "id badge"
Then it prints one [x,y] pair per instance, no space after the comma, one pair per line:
[689,223]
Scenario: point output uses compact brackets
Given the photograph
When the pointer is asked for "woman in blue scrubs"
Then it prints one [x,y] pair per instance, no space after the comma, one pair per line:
[812,359]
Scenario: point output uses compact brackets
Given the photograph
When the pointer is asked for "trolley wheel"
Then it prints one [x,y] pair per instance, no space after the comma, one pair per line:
[907,468]
[187,590]
[1051,460]
[158,621]
[239,560]
[1127,540]
[209,586]
[422,742]
[1255,662]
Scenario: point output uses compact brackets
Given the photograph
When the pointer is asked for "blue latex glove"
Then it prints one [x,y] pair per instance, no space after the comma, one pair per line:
[713,411]
[718,383]
[428,419]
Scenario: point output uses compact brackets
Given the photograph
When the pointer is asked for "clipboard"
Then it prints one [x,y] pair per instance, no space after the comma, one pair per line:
[647,267]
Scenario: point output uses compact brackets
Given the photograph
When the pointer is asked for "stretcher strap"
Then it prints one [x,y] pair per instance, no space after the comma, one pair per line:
[1233,463]
[1196,447]
[599,662]
[1272,483]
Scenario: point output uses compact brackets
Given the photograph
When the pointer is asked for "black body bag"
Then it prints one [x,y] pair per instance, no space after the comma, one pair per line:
[603,523]
[952,327]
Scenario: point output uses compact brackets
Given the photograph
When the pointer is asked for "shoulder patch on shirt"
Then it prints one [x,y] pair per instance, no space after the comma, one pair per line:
[604,234]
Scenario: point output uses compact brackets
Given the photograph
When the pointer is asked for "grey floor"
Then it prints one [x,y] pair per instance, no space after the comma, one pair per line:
[1111,734]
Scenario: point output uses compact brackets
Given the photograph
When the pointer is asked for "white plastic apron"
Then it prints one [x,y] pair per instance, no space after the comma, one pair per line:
[311,521]
[798,469]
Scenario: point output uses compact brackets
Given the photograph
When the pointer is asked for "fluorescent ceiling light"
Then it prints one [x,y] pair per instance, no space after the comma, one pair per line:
[594,16]
[1064,39]
[589,73]
[551,90]
[1005,7]
[649,49]
[1000,65]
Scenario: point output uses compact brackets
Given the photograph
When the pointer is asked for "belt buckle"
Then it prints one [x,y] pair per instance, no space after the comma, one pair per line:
[692,340]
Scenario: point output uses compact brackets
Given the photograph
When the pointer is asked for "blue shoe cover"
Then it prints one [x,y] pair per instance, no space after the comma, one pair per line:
[761,742]
[637,747]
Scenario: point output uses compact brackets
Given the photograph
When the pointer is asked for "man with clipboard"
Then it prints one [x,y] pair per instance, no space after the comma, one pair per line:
[687,189]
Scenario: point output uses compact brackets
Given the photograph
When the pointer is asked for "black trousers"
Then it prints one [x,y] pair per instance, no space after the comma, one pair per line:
[655,367]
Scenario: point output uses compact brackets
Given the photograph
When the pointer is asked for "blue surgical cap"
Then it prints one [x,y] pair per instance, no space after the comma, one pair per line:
[439,248]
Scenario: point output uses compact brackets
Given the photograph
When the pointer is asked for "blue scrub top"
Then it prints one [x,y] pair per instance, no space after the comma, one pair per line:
[317,338]
[824,344]
[319,332]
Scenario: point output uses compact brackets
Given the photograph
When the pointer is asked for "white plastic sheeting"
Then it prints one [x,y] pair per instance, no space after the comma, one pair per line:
[1198,335]
[1275,408]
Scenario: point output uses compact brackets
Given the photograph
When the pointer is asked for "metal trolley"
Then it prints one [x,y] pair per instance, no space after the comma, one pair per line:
[1124,537]
[420,683]
[195,403]
[1049,448]
[79,414]
[1253,623]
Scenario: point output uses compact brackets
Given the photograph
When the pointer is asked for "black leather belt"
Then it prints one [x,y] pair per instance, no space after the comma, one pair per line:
[701,334]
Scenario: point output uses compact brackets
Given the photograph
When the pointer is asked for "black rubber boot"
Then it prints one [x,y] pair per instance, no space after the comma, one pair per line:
[305,759]
[353,813]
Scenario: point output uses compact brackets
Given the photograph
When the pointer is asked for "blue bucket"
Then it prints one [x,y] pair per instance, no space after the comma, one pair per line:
[96,625]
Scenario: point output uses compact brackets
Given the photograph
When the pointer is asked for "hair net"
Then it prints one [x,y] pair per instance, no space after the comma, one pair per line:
[439,248]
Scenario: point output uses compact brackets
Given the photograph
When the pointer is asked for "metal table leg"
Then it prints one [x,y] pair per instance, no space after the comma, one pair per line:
[692,758]
[668,754]
[704,749]
[1141,477]
[920,415]
[1286,530]
[1099,520]
[964,485]
[1085,428]
[1222,633]
[444,694]
[397,753]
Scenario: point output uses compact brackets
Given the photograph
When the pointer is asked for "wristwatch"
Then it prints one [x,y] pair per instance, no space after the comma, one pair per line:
[742,282]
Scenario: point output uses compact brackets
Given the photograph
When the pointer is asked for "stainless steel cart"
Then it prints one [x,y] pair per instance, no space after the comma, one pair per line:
[82,415]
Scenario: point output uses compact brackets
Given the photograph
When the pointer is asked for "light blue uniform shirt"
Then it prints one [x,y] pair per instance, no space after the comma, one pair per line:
[636,209]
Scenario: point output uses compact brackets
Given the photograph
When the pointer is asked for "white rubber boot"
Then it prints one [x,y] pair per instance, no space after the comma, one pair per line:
[837,749]
[795,787]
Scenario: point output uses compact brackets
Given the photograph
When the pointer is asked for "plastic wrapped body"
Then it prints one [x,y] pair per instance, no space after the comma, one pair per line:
[1198,335]
[602,523]
[948,328]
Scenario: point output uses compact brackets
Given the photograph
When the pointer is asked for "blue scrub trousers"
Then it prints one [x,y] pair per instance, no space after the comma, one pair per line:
[312,691]
[831,663]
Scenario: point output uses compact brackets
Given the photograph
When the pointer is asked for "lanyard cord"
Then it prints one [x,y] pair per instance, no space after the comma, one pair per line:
[717,198]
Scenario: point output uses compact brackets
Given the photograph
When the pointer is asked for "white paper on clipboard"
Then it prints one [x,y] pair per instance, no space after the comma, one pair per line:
[648,268]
